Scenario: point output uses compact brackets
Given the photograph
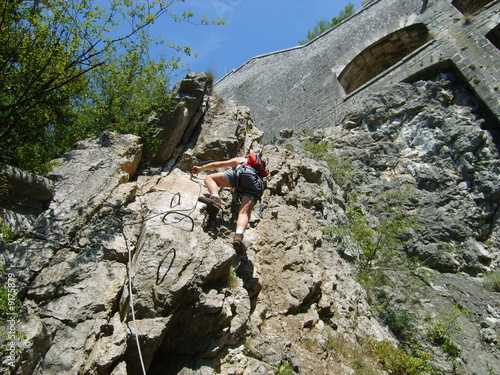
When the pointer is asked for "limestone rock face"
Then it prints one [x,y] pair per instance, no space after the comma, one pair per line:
[26,184]
[428,140]
[127,271]
[174,129]
[447,152]
[23,196]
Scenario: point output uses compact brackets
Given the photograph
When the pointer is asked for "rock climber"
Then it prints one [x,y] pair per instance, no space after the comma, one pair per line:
[246,177]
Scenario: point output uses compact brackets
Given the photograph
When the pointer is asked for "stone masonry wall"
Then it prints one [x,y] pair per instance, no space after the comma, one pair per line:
[299,88]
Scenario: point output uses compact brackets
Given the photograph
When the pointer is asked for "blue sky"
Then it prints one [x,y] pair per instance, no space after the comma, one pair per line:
[254,27]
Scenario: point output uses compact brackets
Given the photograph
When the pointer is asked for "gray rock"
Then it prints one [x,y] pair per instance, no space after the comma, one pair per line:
[27,185]
[172,129]
[115,260]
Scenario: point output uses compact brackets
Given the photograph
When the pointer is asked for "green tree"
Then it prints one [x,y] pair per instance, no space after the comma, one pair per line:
[381,231]
[59,60]
[124,91]
[324,25]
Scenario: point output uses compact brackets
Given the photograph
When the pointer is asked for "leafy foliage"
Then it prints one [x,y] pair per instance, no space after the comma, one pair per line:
[492,281]
[318,150]
[7,308]
[401,323]
[398,361]
[378,231]
[440,332]
[124,92]
[381,232]
[70,69]
[340,167]
[6,232]
[284,368]
[324,25]
[374,357]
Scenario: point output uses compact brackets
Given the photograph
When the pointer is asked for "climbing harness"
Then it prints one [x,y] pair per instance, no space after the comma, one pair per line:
[247,180]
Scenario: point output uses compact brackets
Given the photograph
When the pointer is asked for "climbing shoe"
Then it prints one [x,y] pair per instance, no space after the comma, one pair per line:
[210,200]
[238,243]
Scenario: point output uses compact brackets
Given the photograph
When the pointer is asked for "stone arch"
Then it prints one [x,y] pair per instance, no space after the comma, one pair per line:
[494,36]
[382,54]
[469,6]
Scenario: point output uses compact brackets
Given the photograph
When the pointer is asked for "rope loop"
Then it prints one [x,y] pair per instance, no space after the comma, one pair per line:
[178,221]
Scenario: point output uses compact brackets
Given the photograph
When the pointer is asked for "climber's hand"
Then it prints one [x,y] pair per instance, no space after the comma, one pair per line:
[196,169]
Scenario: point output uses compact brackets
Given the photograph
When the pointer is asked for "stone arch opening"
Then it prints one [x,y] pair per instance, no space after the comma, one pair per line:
[381,55]
[494,36]
[469,6]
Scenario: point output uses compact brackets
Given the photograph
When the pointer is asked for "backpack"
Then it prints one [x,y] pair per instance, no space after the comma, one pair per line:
[257,163]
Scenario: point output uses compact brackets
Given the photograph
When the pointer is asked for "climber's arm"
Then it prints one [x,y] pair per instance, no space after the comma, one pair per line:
[231,163]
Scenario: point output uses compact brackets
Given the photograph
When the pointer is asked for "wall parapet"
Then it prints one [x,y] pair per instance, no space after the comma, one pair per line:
[293,48]
[300,87]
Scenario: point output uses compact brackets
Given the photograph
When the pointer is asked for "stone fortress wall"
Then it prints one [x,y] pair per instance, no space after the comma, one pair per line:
[386,42]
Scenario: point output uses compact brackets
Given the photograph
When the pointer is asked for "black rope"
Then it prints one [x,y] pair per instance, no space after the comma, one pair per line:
[178,201]
[183,217]
[185,213]
[158,281]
